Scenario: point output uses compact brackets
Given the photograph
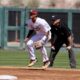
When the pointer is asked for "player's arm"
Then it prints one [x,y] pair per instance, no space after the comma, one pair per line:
[29,35]
[68,34]
[47,36]
[40,43]
[30,32]
[70,40]
[53,37]
[46,29]
[69,37]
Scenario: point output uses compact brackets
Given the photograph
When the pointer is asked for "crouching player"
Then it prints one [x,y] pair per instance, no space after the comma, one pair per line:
[38,41]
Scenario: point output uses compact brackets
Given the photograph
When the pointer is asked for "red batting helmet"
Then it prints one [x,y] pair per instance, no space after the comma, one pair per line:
[33,12]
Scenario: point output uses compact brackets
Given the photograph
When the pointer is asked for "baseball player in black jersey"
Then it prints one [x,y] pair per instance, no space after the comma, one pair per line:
[61,34]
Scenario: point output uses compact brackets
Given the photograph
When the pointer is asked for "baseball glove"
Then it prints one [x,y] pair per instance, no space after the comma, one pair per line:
[38,44]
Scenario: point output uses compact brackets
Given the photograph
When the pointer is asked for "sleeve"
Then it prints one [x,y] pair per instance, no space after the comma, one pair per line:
[30,28]
[46,26]
[29,25]
[30,33]
[46,29]
[67,31]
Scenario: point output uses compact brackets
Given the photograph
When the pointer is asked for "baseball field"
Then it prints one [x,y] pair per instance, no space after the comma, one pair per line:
[14,62]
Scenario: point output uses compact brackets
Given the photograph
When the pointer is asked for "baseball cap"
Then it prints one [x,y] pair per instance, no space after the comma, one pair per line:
[53,17]
[33,12]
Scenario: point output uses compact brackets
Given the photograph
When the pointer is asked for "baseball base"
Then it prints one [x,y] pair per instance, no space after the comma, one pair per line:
[8,77]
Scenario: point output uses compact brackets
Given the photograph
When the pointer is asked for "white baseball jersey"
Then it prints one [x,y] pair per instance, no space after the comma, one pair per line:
[40,26]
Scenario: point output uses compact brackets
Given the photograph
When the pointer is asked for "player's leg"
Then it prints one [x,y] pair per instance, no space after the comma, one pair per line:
[31,50]
[72,58]
[32,56]
[45,57]
[52,56]
[54,51]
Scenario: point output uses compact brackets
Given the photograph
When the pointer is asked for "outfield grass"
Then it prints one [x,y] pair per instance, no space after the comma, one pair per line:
[12,57]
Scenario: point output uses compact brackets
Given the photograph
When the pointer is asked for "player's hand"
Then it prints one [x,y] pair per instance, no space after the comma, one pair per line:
[52,47]
[68,47]
[26,40]
[38,44]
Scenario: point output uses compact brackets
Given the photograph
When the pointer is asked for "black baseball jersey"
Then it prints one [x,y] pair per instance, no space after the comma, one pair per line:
[61,31]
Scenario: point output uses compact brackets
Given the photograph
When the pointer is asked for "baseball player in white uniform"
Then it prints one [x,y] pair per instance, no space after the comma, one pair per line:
[42,30]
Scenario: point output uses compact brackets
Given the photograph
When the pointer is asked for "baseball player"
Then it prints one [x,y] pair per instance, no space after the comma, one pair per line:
[39,39]
[61,34]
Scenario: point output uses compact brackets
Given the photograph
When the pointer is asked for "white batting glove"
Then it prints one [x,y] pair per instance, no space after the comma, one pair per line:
[26,40]
[69,47]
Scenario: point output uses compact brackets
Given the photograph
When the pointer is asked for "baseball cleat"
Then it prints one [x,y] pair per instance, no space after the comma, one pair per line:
[46,64]
[32,62]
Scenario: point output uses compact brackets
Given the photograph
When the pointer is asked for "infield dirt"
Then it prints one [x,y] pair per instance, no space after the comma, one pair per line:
[25,73]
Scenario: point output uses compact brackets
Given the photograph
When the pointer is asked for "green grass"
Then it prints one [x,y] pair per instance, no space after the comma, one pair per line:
[12,57]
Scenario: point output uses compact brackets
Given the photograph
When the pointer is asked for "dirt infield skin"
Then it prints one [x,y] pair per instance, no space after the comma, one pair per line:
[24,73]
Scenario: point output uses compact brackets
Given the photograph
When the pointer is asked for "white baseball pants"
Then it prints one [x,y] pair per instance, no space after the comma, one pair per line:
[31,49]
